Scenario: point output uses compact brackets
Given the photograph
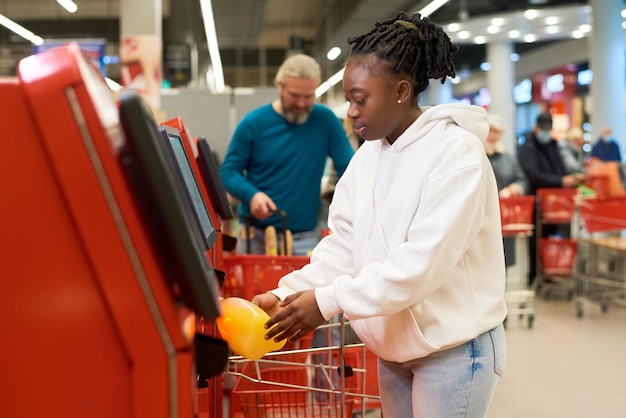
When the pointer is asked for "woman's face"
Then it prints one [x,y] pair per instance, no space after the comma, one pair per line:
[373,101]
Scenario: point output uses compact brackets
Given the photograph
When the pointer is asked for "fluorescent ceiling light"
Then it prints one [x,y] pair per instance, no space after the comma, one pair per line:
[211,37]
[432,7]
[20,30]
[328,84]
[333,53]
[68,5]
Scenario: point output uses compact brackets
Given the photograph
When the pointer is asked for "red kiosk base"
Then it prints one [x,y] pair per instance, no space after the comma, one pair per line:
[100,273]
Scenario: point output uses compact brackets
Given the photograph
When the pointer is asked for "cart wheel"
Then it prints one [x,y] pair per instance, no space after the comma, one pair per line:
[531,318]
[604,306]
[522,307]
[579,309]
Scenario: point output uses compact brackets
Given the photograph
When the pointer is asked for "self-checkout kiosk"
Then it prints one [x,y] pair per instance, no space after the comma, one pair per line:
[107,251]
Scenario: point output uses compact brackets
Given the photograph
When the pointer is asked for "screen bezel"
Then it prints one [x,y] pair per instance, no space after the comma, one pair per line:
[211,176]
[192,188]
[148,163]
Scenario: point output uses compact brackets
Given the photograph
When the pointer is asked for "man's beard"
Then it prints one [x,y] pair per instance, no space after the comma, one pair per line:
[297,118]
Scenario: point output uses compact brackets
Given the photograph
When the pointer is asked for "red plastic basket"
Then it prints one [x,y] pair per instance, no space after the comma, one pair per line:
[250,274]
[273,396]
[558,255]
[604,214]
[516,214]
[599,183]
[557,205]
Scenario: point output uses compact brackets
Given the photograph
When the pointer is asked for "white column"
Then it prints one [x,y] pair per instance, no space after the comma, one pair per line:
[141,47]
[500,82]
[606,59]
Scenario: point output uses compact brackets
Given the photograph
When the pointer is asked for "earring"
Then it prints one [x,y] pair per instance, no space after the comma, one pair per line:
[399,101]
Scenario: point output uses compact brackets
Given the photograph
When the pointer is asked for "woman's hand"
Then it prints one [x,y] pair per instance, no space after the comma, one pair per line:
[269,302]
[298,315]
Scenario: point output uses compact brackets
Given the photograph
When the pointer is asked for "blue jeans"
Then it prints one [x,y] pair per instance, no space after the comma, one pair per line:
[303,242]
[454,383]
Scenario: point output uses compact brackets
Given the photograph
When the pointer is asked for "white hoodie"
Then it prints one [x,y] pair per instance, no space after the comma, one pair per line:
[415,258]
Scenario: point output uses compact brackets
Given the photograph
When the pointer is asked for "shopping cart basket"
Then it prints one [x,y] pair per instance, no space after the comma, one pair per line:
[558,256]
[557,204]
[516,214]
[250,274]
[329,382]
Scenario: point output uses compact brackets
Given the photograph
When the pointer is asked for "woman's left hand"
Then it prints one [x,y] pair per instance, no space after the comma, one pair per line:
[299,315]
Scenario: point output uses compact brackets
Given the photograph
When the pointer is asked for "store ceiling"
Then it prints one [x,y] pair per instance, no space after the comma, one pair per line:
[248,29]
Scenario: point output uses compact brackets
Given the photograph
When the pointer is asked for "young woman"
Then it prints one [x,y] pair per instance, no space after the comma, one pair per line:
[415,258]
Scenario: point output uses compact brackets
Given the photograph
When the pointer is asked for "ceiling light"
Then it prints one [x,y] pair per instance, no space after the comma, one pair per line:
[333,53]
[432,7]
[530,14]
[530,38]
[328,84]
[20,30]
[553,29]
[454,27]
[463,34]
[493,29]
[497,21]
[514,34]
[68,5]
[480,40]
[552,20]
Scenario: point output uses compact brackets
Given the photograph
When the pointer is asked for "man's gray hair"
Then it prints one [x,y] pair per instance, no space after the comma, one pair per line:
[298,66]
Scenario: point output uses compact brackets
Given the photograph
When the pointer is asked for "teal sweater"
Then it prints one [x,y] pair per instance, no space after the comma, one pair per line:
[286,161]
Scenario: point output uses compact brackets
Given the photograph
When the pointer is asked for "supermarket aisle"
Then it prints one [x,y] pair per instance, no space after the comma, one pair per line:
[565,367]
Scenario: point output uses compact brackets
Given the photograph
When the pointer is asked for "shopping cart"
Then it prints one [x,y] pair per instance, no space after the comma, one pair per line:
[329,382]
[555,268]
[602,274]
[516,214]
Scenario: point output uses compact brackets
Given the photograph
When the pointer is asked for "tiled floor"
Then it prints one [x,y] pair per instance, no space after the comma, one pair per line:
[565,367]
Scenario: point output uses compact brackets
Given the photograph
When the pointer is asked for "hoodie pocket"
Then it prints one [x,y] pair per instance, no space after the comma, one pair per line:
[395,337]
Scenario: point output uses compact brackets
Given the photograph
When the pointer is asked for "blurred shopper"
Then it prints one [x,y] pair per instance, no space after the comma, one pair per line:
[509,175]
[543,166]
[606,148]
[415,258]
[276,159]
[571,150]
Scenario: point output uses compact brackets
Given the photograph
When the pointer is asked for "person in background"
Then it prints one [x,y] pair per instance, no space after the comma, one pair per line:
[541,161]
[571,150]
[414,259]
[606,148]
[276,159]
[509,175]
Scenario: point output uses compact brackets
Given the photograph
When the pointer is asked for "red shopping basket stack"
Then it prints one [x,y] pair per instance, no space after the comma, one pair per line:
[291,385]
[250,274]
[558,255]
[557,204]
[516,214]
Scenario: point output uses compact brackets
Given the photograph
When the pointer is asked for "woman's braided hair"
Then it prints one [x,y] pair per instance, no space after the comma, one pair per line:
[413,45]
